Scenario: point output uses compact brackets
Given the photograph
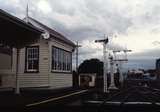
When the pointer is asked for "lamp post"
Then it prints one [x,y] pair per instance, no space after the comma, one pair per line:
[104,41]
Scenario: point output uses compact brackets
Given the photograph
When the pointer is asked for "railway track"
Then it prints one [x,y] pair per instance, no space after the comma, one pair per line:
[131,99]
[136,94]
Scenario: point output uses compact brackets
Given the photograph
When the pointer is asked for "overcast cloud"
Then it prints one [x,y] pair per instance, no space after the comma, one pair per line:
[136,23]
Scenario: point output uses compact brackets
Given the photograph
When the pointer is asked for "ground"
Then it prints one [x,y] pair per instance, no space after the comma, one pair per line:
[9,100]
[131,99]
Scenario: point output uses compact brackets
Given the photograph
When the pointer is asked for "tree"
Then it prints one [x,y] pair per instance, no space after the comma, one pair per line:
[91,66]
[96,66]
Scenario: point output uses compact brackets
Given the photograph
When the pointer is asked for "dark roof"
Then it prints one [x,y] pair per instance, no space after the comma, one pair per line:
[15,32]
[53,33]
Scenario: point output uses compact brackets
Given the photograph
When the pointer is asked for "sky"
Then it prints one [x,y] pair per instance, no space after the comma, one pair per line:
[129,24]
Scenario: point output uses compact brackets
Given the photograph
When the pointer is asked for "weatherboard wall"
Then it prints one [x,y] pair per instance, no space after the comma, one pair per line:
[59,79]
[45,77]
[5,61]
[39,79]
[7,70]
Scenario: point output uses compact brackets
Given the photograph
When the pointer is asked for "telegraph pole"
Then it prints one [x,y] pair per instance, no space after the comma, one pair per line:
[77,53]
[104,41]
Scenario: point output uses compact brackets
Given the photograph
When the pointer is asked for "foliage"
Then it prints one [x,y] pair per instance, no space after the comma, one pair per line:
[91,66]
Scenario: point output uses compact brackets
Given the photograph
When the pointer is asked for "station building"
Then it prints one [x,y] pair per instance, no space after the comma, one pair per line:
[46,61]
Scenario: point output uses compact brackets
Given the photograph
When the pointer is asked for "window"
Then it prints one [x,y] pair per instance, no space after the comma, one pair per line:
[32,59]
[61,60]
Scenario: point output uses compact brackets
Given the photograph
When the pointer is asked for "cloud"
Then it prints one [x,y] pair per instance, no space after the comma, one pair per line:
[135,22]
[150,54]
[156,43]
[15,7]
[44,6]
[140,63]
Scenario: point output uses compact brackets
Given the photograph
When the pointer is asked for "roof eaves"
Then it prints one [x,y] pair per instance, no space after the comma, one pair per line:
[54,33]
[19,22]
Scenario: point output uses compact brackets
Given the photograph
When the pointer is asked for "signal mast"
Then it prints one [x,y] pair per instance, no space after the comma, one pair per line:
[105,61]
[121,61]
[109,63]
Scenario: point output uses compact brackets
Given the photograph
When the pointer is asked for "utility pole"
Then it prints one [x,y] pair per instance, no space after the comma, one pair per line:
[77,53]
[104,41]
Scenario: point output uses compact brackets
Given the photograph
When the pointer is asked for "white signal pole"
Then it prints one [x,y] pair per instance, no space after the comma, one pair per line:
[121,78]
[112,85]
[121,61]
[104,41]
[125,52]
[125,60]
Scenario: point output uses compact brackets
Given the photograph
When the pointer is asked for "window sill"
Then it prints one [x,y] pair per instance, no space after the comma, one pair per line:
[56,71]
[31,71]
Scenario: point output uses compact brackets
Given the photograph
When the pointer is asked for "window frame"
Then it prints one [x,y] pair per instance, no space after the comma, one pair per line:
[63,63]
[26,60]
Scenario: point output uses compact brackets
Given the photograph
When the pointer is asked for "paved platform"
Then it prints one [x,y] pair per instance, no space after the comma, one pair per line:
[36,98]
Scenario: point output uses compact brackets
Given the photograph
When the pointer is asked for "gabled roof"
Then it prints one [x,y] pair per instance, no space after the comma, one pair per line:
[54,34]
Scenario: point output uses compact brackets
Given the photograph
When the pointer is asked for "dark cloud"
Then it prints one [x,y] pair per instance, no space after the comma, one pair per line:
[101,19]
[150,54]
[140,64]
[87,20]
[92,17]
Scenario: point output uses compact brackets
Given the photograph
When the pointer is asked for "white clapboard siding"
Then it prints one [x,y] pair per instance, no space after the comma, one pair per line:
[60,80]
[35,79]
[7,80]
[60,45]
[45,78]
[7,70]
[5,61]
